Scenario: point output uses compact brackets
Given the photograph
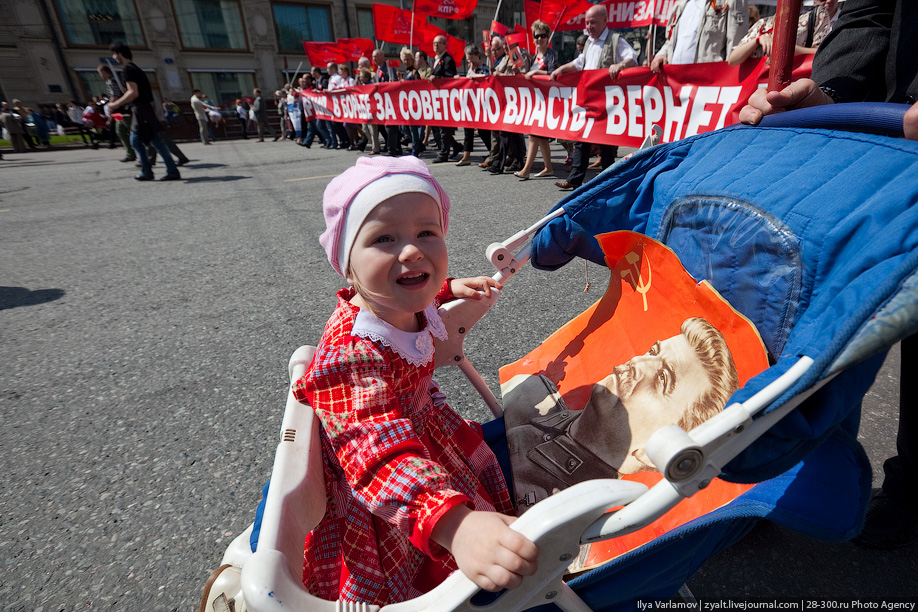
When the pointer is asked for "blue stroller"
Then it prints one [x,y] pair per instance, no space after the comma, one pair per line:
[825,269]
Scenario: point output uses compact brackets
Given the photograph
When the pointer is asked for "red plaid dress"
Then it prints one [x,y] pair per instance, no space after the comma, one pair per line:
[394,464]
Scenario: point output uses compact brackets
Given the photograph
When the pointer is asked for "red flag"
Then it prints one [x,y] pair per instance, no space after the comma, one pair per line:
[448,9]
[499,28]
[321,53]
[517,38]
[392,24]
[523,37]
[564,15]
[424,35]
[355,48]
[456,48]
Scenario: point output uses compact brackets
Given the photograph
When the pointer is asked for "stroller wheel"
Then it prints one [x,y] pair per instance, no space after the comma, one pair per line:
[223,591]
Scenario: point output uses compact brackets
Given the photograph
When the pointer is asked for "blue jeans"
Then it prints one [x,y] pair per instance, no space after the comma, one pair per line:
[323,133]
[312,132]
[330,130]
[160,146]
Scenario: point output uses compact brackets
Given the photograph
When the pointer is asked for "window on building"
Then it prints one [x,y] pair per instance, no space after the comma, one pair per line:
[365,23]
[93,85]
[298,22]
[224,87]
[100,22]
[210,24]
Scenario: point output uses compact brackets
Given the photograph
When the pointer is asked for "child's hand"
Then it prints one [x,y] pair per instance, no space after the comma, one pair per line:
[470,287]
[487,551]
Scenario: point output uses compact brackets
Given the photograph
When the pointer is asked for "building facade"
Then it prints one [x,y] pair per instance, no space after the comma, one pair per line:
[49,49]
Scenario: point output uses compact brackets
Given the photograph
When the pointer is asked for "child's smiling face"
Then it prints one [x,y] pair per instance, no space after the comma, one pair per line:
[398,262]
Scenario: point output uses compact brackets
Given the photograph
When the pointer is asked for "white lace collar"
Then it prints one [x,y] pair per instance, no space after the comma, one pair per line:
[416,348]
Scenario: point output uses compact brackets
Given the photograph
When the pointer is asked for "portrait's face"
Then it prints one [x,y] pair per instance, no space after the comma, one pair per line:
[653,389]
[439,45]
[595,22]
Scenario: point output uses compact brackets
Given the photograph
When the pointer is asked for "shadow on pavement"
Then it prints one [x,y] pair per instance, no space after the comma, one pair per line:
[198,166]
[13,297]
[215,179]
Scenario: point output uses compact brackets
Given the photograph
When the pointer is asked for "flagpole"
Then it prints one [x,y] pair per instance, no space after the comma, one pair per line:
[411,32]
[293,80]
[782,58]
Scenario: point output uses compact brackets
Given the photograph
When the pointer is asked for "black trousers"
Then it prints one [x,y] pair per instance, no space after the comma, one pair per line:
[901,482]
[393,139]
[581,160]
[468,143]
[512,146]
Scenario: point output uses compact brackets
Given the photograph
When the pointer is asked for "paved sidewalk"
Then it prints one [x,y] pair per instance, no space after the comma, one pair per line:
[145,331]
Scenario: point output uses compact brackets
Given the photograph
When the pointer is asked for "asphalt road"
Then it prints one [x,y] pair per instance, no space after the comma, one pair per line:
[145,330]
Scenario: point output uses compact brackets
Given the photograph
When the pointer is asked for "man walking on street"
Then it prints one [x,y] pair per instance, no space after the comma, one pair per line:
[200,114]
[261,116]
[145,127]
[445,68]
[603,49]
[122,126]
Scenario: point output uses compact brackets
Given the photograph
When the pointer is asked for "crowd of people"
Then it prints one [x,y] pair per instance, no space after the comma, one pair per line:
[31,128]
[405,501]
[699,31]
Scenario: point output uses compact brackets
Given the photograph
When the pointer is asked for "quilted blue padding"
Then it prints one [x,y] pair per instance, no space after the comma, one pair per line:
[806,232]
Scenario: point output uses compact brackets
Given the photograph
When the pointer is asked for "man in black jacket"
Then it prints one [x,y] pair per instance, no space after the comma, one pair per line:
[444,67]
[868,56]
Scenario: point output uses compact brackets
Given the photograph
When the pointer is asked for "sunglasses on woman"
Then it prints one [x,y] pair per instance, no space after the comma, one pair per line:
[537,36]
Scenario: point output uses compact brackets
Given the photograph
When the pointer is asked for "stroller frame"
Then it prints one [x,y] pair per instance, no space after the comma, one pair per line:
[560,524]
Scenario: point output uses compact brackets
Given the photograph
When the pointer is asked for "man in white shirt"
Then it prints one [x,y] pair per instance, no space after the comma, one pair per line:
[703,31]
[335,80]
[200,114]
[604,49]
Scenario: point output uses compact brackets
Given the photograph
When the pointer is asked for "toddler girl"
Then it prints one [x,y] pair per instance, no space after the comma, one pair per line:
[413,492]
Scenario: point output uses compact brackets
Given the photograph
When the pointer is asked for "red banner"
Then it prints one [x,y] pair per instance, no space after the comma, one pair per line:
[683,100]
[563,16]
[321,53]
[355,48]
[448,9]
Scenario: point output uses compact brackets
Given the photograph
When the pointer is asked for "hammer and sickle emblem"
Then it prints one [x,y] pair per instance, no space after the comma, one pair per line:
[637,282]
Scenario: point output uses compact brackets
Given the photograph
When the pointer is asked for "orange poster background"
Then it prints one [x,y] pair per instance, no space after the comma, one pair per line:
[650,294]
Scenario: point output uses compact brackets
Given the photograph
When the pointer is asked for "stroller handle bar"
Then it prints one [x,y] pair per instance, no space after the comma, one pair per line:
[882,118]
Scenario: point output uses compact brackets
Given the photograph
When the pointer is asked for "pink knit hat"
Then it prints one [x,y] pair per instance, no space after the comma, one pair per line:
[353,194]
